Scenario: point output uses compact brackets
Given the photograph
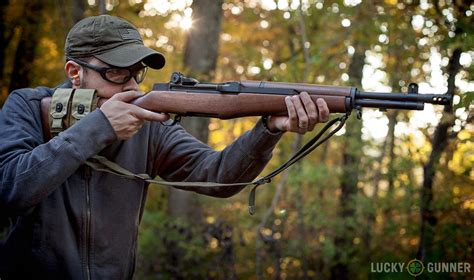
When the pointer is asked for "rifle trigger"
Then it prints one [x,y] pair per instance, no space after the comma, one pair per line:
[176,120]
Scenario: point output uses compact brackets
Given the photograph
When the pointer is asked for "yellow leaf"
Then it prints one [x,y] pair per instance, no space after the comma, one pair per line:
[391,2]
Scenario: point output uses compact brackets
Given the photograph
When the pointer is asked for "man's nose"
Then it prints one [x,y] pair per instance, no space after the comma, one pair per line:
[131,85]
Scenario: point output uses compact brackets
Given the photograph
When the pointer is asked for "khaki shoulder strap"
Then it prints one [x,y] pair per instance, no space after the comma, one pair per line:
[100,163]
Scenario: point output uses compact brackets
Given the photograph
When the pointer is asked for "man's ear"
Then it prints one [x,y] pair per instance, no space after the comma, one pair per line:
[73,72]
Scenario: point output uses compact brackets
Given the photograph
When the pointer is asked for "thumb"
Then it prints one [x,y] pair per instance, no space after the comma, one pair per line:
[277,123]
[127,96]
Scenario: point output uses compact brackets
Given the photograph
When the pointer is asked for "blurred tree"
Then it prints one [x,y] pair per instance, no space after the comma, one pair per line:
[78,10]
[453,20]
[396,42]
[200,55]
[439,143]
[352,151]
[102,7]
[26,49]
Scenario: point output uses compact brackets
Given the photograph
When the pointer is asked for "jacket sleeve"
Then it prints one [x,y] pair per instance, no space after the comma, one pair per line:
[181,157]
[29,168]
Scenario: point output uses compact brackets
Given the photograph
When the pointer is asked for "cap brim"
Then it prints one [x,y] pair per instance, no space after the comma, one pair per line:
[130,54]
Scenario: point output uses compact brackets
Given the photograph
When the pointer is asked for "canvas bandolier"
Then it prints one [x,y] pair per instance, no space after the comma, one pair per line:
[68,106]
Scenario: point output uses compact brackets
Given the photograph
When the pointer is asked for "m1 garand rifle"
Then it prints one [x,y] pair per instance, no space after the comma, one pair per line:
[185,96]
[188,97]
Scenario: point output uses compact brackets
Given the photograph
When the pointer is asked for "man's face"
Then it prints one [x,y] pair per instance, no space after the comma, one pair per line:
[105,89]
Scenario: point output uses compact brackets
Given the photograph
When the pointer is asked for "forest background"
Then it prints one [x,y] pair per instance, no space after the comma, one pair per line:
[391,187]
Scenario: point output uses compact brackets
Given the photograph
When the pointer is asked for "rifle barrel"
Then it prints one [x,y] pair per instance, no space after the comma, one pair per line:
[441,99]
[390,104]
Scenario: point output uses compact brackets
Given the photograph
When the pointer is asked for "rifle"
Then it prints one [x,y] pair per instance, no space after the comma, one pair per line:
[185,96]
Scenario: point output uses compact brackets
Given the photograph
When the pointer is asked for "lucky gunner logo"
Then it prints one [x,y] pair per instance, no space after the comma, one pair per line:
[415,267]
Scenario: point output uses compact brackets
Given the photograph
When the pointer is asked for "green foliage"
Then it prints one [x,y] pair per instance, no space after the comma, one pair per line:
[162,240]
[466,101]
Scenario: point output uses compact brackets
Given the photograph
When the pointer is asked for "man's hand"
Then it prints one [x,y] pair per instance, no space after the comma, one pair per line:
[303,114]
[126,119]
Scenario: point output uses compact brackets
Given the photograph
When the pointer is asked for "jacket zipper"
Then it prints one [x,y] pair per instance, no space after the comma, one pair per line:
[87,175]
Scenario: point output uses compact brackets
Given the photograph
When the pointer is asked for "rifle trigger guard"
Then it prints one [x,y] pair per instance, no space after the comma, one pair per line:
[176,120]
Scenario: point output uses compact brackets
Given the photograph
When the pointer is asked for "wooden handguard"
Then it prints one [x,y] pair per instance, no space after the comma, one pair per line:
[226,106]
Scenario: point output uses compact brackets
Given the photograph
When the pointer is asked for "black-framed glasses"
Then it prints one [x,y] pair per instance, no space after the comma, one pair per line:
[115,75]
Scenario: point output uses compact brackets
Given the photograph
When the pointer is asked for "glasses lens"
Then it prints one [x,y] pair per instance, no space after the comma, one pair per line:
[140,75]
[118,75]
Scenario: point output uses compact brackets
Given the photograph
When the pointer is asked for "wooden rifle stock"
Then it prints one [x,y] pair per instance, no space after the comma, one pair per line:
[225,106]
[236,99]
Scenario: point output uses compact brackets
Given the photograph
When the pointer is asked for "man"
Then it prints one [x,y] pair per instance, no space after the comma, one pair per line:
[71,222]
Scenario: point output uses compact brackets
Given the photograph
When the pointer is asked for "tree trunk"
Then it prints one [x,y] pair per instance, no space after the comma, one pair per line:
[352,148]
[388,146]
[392,121]
[298,143]
[438,144]
[102,9]
[202,42]
[260,239]
[78,10]
[200,58]
[26,50]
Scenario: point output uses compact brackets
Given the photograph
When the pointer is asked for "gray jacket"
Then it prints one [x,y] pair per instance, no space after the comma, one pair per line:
[71,222]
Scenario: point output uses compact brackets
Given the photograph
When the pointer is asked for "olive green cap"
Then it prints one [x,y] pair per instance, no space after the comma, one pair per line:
[112,40]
